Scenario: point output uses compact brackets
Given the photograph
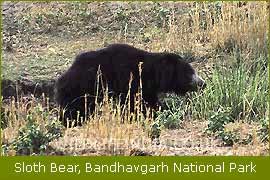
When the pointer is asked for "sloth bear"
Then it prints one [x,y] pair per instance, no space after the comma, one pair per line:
[161,73]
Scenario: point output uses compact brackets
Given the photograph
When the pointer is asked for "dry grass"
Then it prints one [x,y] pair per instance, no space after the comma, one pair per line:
[111,130]
[105,133]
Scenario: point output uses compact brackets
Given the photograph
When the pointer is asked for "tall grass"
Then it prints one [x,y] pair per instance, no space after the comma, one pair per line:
[212,26]
[244,88]
[111,129]
[28,125]
[181,26]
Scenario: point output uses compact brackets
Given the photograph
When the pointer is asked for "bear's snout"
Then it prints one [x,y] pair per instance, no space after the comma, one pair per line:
[198,82]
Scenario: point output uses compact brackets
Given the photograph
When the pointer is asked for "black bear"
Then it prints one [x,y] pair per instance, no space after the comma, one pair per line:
[161,72]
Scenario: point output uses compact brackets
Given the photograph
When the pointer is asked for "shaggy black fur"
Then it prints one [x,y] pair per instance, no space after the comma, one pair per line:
[161,72]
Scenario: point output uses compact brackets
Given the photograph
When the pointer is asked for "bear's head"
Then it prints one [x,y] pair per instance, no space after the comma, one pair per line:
[179,76]
[187,79]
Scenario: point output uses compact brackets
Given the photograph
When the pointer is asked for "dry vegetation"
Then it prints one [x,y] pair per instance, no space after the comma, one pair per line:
[226,42]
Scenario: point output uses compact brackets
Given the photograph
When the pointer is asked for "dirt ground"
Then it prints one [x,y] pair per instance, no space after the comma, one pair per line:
[189,140]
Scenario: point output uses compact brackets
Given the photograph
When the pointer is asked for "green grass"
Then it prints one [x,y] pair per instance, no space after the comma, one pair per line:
[241,87]
[237,91]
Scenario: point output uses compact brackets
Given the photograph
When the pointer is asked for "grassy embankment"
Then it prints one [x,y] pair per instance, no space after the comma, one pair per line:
[228,44]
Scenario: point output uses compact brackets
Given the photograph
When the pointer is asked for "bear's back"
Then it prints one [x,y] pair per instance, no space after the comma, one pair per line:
[114,54]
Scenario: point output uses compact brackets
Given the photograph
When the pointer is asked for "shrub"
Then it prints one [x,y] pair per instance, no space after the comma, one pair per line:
[173,113]
[218,120]
[34,139]
[223,126]
[30,127]
[264,130]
